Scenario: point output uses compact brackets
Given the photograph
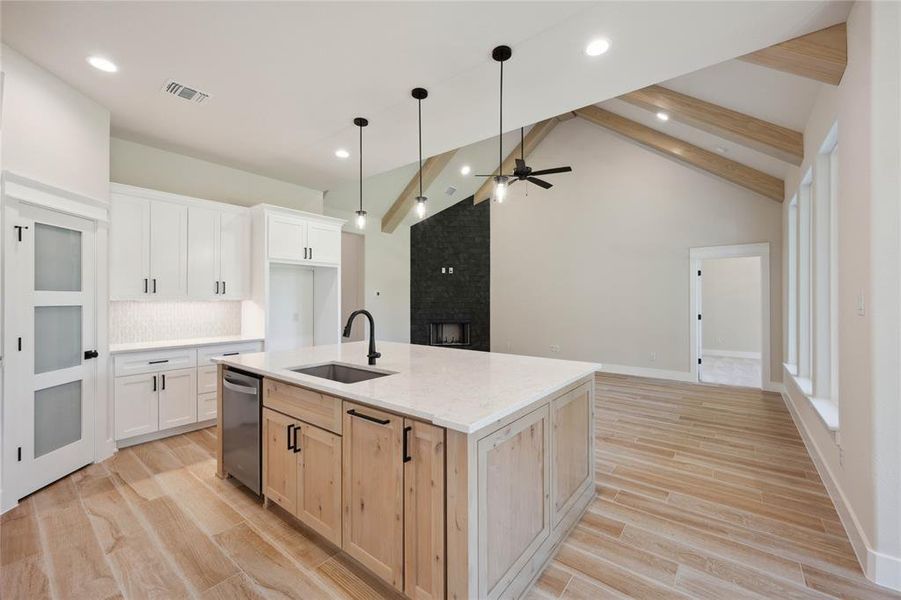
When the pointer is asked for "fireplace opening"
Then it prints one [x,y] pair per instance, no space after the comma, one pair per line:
[449,334]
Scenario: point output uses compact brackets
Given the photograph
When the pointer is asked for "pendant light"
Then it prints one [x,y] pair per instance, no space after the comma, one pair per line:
[361,214]
[420,94]
[501,54]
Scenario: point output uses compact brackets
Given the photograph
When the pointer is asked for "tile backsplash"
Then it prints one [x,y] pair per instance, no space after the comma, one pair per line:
[156,321]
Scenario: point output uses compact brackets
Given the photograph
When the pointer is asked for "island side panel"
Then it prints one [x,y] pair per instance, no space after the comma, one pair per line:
[220,468]
[462,516]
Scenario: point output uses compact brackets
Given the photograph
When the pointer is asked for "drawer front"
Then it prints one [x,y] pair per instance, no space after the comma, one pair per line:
[305,405]
[206,406]
[206,353]
[206,379]
[136,363]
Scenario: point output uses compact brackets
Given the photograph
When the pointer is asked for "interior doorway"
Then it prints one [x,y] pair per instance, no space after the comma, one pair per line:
[730,315]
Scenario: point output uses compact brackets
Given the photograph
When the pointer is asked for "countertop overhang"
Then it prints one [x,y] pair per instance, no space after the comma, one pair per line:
[458,389]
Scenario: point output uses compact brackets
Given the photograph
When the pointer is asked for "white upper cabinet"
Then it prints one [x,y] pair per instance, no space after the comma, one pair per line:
[129,248]
[234,255]
[303,240]
[218,254]
[168,247]
[168,250]
[287,238]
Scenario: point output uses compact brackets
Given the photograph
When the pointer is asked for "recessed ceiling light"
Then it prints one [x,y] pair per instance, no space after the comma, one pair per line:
[103,64]
[663,116]
[597,47]
[465,170]
[342,153]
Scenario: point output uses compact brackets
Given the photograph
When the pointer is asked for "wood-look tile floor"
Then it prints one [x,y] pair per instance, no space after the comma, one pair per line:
[703,491]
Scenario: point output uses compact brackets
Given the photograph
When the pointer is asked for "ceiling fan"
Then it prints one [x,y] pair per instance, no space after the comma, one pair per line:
[522,172]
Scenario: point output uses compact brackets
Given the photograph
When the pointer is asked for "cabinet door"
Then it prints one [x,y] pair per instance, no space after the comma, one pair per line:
[168,250]
[571,435]
[324,244]
[319,481]
[178,398]
[129,252]
[373,491]
[234,255]
[203,254]
[279,459]
[423,511]
[207,406]
[287,238]
[136,405]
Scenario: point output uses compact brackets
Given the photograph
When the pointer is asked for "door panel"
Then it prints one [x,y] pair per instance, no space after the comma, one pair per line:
[203,254]
[319,481]
[373,491]
[168,250]
[424,511]
[572,448]
[49,386]
[279,460]
[178,398]
[137,405]
[234,255]
[287,238]
[324,243]
[129,255]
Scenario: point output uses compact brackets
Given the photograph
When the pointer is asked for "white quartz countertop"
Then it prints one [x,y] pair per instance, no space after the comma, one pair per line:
[185,343]
[462,390]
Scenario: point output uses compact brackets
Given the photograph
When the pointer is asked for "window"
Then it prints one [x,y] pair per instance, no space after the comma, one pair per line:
[804,279]
[792,325]
[824,259]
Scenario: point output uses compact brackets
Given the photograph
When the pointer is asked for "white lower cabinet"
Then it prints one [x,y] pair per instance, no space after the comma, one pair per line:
[206,406]
[178,398]
[137,407]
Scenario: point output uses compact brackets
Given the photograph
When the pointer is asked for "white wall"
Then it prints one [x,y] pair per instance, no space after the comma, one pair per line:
[731,305]
[51,132]
[859,463]
[148,167]
[599,264]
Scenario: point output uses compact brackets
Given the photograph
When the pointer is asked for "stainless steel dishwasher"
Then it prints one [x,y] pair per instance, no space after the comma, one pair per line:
[242,401]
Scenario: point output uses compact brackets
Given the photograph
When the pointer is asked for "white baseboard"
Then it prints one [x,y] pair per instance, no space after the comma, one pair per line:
[647,372]
[158,435]
[731,353]
[882,569]
[774,386]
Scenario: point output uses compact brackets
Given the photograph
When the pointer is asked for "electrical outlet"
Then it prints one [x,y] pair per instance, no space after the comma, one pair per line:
[861,307]
[653,357]
[841,457]
[450,270]
[443,270]
[555,348]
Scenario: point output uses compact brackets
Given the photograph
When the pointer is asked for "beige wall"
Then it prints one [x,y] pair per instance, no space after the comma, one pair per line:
[148,167]
[859,463]
[731,305]
[599,264]
[353,281]
[51,132]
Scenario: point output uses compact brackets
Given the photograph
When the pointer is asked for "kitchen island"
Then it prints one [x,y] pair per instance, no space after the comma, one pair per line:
[448,473]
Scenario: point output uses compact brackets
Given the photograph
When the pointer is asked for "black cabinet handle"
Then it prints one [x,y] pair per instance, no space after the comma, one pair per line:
[311,252]
[231,354]
[352,412]
[146,283]
[158,362]
[164,382]
[154,285]
[407,457]
[223,288]
[19,229]
[154,383]
[296,445]
[217,288]
[289,437]
[88,354]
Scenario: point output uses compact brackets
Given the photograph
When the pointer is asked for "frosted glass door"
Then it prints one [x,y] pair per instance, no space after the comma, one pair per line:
[52,298]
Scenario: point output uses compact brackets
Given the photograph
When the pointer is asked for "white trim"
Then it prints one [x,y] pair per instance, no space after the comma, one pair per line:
[696,256]
[647,372]
[165,433]
[882,569]
[732,353]
[30,191]
[131,190]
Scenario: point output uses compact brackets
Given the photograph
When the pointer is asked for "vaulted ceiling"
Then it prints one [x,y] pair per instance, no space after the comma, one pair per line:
[286,78]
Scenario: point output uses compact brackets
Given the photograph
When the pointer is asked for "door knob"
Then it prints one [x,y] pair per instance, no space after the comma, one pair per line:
[88,354]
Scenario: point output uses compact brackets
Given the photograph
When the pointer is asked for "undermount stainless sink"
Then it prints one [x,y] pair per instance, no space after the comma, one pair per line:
[340,373]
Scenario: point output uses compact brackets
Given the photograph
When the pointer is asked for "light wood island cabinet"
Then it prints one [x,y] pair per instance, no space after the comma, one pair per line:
[437,513]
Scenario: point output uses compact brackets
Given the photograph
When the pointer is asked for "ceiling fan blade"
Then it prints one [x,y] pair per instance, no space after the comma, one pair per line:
[554,170]
[540,182]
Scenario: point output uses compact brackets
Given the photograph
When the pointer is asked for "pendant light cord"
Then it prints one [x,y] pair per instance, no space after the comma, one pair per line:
[419,102]
[500,138]
[361,167]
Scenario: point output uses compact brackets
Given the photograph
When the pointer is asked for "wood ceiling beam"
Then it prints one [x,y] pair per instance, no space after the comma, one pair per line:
[737,173]
[431,168]
[821,55]
[538,132]
[769,138]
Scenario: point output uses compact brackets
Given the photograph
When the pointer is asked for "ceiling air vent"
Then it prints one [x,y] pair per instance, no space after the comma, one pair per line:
[450,191]
[184,92]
